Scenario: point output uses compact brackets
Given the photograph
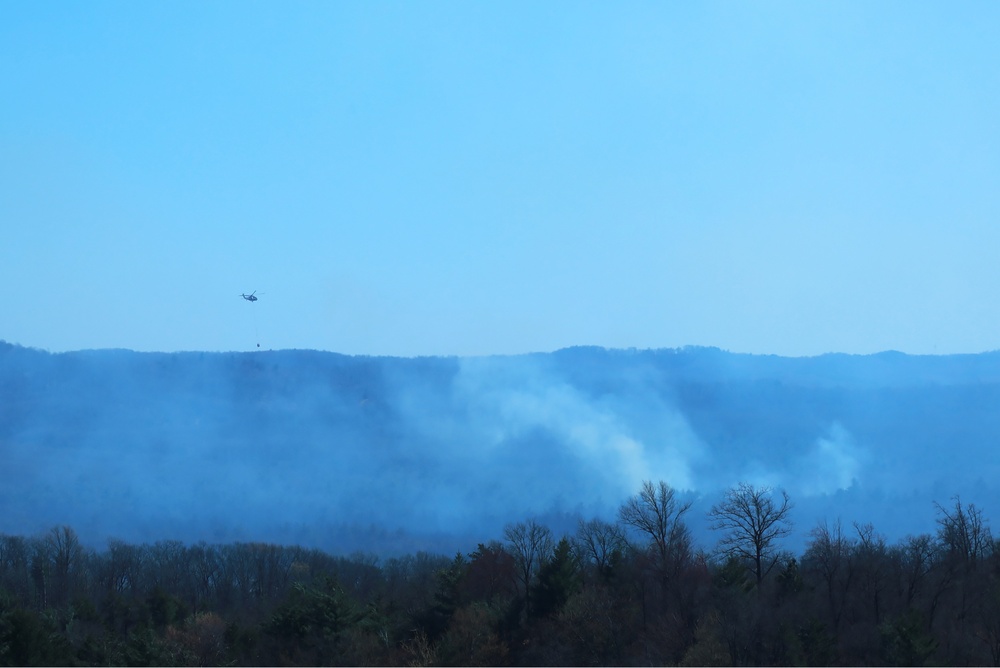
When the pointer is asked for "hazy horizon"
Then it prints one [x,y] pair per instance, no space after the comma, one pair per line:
[512,354]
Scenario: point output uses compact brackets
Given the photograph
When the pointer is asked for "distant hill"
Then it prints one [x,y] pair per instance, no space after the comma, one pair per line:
[396,454]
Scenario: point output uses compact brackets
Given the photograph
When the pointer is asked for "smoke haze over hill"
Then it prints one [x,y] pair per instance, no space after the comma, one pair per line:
[396,454]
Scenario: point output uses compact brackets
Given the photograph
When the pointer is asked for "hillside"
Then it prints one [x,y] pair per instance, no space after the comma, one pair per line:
[393,454]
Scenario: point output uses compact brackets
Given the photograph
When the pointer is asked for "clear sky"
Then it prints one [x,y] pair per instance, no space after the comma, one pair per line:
[424,178]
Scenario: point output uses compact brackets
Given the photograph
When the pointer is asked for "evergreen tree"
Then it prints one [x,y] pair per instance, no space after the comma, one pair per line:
[558,579]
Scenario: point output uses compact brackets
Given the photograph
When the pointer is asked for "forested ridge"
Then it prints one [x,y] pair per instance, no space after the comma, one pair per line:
[225,447]
[634,591]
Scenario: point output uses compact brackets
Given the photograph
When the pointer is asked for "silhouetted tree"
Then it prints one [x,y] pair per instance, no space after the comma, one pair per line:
[491,573]
[871,558]
[913,561]
[964,534]
[965,543]
[410,582]
[121,564]
[558,579]
[828,558]
[752,522]
[65,554]
[658,515]
[602,544]
[530,544]
[205,566]
[447,598]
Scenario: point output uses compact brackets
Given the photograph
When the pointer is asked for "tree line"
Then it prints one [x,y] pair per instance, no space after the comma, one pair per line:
[633,591]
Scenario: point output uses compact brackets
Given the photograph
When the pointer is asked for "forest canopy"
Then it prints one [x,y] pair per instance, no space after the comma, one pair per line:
[638,590]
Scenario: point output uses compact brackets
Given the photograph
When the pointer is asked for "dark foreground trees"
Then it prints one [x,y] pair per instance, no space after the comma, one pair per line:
[598,597]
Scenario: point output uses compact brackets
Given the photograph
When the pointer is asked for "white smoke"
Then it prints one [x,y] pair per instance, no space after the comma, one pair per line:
[506,400]
[833,463]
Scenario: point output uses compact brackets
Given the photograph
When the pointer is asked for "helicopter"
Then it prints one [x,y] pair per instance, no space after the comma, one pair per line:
[250,297]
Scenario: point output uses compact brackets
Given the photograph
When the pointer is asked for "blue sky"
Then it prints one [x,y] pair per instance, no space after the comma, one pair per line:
[476,178]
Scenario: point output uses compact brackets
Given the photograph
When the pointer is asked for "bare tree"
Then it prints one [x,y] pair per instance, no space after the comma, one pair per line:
[206,566]
[913,561]
[530,544]
[871,556]
[656,512]
[828,555]
[65,554]
[122,563]
[598,542]
[964,534]
[965,543]
[752,521]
